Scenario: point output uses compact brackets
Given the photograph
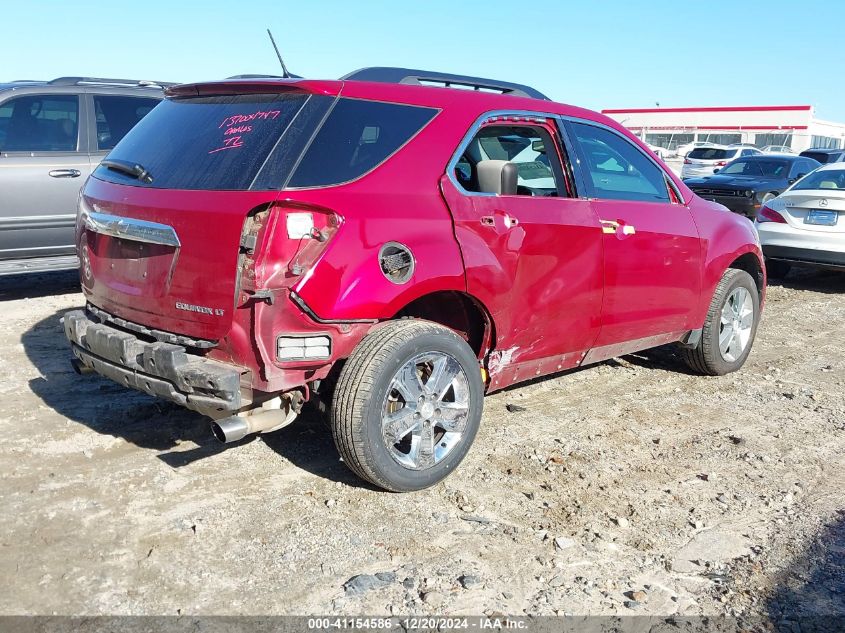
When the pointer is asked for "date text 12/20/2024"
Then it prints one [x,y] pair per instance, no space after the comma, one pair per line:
[481,623]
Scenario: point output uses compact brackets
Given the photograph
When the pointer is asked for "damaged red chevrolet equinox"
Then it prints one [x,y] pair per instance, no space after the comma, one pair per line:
[394,244]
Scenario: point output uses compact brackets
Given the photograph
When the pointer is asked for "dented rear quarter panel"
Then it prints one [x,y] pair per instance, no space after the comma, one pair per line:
[400,202]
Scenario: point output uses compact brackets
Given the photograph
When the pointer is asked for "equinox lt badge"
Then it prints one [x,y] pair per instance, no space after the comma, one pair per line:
[200,309]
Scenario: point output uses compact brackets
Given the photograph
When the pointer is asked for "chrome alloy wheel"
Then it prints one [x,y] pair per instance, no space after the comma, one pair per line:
[735,324]
[425,411]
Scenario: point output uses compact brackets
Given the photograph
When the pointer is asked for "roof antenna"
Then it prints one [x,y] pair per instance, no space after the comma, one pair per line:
[285,72]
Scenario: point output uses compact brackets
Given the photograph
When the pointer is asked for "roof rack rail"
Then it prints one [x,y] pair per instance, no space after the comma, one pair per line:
[99,81]
[256,76]
[384,74]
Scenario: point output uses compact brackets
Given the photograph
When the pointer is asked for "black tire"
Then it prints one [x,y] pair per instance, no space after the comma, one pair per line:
[705,357]
[362,392]
[776,269]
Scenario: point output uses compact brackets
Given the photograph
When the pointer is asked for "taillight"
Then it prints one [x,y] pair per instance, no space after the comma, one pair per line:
[767,214]
[282,243]
[687,161]
[313,243]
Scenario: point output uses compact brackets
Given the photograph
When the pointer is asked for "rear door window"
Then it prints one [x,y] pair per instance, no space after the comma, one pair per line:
[40,123]
[356,137]
[531,148]
[116,115]
[617,169]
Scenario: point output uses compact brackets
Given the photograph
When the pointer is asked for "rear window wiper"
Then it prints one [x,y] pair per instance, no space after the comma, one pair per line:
[128,168]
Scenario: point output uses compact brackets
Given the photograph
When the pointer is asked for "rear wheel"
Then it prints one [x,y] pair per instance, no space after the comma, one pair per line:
[776,269]
[407,405]
[728,332]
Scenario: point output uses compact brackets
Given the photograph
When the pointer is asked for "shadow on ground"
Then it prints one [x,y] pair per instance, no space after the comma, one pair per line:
[35,285]
[157,425]
[810,595]
[817,280]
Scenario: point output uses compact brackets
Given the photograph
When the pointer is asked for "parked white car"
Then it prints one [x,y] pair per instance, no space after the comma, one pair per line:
[661,152]
[702,161]
[806,223]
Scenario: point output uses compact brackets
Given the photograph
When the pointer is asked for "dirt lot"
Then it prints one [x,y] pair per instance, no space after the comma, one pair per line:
[628,487]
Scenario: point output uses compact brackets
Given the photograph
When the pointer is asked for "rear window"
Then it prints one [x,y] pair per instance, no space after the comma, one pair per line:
[711,153]
[823,179]
[822,157]
[216,142]
[265,141]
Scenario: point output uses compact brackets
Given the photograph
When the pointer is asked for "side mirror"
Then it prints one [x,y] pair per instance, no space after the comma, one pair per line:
[716,171]
[510,177]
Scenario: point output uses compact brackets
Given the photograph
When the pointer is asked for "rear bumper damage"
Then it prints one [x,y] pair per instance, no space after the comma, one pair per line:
[160,369]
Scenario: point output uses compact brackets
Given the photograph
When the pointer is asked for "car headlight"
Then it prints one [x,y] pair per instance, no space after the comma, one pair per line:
[749,193]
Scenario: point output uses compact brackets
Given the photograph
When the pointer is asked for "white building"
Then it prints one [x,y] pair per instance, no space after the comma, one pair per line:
[794,126]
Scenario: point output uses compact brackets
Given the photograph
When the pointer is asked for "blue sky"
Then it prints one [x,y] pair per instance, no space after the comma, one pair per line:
[600,54]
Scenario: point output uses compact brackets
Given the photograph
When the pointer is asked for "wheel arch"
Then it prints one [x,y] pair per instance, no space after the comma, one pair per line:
[750,263]
[459,311]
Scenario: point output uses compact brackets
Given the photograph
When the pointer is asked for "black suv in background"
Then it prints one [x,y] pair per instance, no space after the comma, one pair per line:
[747,183]
[52,134]
[825,155]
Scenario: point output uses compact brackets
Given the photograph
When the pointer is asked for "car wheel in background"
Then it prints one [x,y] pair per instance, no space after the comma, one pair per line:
[407,405]
[730,327]
[777,269]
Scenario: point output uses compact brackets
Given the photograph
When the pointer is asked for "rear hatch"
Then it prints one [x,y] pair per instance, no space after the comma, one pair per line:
[161,218]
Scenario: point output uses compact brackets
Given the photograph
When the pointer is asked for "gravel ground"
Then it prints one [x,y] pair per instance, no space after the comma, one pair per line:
[628,487]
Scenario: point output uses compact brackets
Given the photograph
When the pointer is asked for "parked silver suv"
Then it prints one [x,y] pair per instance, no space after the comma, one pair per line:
[52,134]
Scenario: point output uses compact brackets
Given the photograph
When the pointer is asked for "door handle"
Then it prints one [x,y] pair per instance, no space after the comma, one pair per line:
[508,220]
[65,173]
[612,226]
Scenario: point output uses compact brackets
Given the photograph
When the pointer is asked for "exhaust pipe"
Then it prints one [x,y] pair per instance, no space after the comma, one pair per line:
[270,416]
[79,367]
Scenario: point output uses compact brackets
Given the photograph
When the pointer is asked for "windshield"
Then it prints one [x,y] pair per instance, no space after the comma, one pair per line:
[757,168]
[711,153]
[822,179]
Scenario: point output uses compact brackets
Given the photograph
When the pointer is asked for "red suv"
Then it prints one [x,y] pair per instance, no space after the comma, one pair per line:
[396,247]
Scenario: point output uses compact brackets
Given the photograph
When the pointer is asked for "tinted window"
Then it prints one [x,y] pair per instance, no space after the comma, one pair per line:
[823,179]
[759,168]
[619,170]
[710,153]
[531,148]
[357,136]
[117,115]
[802,167]
[822,157]
[207,142]
[40,123]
